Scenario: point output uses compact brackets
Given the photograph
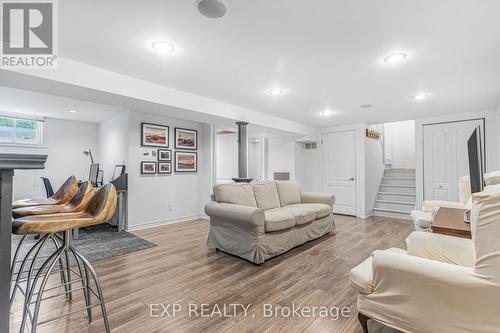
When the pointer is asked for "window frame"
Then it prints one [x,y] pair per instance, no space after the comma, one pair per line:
[14,142]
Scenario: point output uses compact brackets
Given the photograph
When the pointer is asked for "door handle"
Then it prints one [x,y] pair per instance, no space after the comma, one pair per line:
[351,179]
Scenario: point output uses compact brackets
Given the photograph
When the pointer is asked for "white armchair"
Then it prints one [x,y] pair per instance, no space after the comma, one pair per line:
[423,218]
[441,283]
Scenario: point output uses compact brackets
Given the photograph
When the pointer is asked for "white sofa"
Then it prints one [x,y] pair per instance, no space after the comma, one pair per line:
[261,220]
[440,283]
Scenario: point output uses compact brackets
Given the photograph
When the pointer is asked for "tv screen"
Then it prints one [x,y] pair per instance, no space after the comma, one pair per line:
[476,169]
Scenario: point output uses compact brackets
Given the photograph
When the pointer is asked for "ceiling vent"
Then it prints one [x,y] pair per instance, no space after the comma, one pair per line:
[213,9]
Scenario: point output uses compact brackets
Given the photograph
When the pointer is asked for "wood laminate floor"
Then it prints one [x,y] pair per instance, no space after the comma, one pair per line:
[181,270]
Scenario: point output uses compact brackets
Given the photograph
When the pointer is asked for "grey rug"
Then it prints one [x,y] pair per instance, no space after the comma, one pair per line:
[94,243]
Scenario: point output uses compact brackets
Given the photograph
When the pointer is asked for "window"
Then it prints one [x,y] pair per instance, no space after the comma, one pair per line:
[20,131]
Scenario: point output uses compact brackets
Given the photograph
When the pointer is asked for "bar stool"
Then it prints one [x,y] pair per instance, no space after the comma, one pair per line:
[63,195]
[99,209]
[77,204]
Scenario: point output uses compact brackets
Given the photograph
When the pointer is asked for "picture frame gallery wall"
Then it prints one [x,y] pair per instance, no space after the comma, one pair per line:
[185,157]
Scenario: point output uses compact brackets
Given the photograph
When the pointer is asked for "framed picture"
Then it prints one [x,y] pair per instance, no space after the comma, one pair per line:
[186,138]
[186,161]
[153,135]
[148,168]
[164,167]
[164,155]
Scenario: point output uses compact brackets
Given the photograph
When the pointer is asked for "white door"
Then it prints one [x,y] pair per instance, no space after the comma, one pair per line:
[339,169]
[445,157]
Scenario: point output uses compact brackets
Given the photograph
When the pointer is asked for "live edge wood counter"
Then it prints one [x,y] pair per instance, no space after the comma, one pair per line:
[9,163]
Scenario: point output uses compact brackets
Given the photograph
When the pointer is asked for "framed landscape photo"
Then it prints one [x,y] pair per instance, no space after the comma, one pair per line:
[164,168]
[148,168]
[164,155]
[186,161]
[154,135]
[186,138]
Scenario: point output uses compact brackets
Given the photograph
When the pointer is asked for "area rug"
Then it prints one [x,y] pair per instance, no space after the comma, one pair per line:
[94,243]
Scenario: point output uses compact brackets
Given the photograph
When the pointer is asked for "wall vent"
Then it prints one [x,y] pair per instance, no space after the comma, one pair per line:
[312,145]
[282,175]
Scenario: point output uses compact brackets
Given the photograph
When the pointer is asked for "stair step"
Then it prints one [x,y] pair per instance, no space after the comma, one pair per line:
[399,206]
[397,193]
[399,173]
[395,202]
[399,197]
[397,188]
[398,181]
[399,170]
[391,213]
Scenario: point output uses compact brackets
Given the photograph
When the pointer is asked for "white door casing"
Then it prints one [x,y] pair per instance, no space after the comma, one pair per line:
[445,157]
[339,169]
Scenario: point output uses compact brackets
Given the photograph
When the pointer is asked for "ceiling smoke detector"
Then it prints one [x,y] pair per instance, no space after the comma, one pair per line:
[213,9]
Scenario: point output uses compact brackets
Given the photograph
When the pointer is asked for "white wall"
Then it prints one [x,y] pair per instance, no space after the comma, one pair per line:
[256,158]
[498,126]
[159,199]
[227,157]
[113,144]
[307,167]
[280,156]
[64,143]
[399,144]
[492,143]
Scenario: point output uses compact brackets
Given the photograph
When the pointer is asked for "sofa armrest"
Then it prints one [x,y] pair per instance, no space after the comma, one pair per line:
[409,293]
[240,214]
[324,198]
[449,249]
[429,205]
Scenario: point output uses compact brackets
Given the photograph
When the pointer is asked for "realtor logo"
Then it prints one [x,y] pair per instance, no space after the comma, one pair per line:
[28,32]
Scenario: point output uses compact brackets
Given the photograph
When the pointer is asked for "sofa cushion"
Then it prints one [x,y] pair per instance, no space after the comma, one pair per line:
[277,219]
[302,215]
[321,210]
[266,195]
[289,192]
[238,194]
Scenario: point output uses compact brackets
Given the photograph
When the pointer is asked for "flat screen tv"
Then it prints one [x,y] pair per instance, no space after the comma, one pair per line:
[476,168]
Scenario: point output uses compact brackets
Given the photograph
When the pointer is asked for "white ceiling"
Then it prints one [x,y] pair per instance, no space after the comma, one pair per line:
[33,103]
[324,53]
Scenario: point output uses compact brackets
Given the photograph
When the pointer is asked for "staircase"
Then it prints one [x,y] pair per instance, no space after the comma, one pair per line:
[396,195]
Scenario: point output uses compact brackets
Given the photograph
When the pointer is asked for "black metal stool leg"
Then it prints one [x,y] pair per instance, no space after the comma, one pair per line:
[100,296]
[85,286]
[36,247]
[61,272]
[16,254]
[29,294]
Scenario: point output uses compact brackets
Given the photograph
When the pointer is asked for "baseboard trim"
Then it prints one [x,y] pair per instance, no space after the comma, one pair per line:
[164,222]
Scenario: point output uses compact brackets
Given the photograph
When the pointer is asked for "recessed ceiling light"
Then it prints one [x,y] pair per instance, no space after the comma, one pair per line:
[163,47]
[395,58]
[213,9]
[72,111]
[275,91]
[327,113]
[421,96]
